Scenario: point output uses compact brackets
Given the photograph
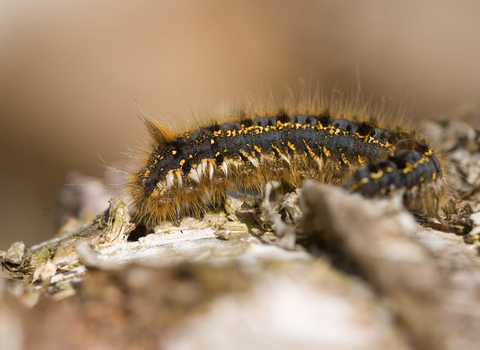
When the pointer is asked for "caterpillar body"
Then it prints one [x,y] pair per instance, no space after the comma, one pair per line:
[186,172]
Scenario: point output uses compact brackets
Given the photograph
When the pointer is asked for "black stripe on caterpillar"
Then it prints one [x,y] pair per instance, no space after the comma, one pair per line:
[186,172]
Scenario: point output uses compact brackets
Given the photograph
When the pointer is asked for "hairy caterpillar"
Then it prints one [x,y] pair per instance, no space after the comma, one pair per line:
[185,172]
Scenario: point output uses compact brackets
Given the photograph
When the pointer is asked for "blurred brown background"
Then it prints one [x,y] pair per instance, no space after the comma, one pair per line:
[72,72]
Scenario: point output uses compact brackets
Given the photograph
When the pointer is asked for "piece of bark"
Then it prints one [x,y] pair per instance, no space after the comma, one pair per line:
[155,292]
[378,236]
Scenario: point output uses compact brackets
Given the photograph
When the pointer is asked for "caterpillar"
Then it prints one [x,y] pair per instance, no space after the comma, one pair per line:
[187,171]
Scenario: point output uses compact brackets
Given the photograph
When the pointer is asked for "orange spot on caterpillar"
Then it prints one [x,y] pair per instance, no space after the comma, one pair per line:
[344,159]
[377,175]
[326,152]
